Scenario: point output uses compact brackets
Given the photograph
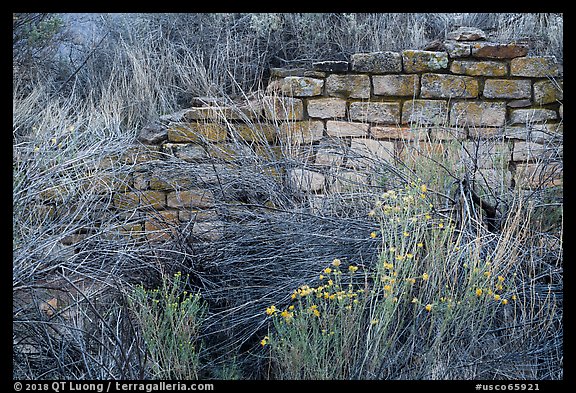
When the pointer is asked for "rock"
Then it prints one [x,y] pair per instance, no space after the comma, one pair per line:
[448,86]
[479,68]
[331,66]
[375,112]
[535,67]
[327,108]
[493,50]
[478,114]
[466,34]
[345,128]
[507,88]
[301,86]
[396,85]
[153,133]
[377,62]
[421,60]
[425,112]
[348,86]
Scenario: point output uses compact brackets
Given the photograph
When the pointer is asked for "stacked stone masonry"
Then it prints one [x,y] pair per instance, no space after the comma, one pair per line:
[345,116]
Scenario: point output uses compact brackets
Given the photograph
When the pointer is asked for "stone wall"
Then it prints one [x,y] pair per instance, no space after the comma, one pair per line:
[344,117]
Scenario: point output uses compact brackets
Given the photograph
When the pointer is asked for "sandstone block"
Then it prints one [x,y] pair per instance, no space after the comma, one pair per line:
[283,108]
[519,103]
[198,198]
[197,132]
[478,114]
[278,72]
[330,156]
[493,50]
[405,133]
[539,133]
[425,112]
[127,200]
[465,33]
[535,67]
[486,154]
[153,199]
[526,151]
[301,86]
[330,66]
[185,151]
[448,86]
[167,182]
[528,116]
[370,153]
[153,133]
[140,154]
[209,231]
[306,180]
[348,86]
[442,133]
[229,151]
[345,128]
[507,88]
[302,132]
[457,49]
[197,215]
[256,132]
[479,68]
[327,108]
[396,85]
[144,199]
[376,112]
[377,62]
[342,181]
[161,226]
[422,61]
[539,174]
[548,91]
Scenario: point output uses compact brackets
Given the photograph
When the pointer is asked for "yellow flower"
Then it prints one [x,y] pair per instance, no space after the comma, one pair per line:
[373,322]
[513,297]
[414,300]
[352,268]
[420,245]
[425,276]
[387,287]
[427,216]
[406,234]
[411,280]
[487,274]
[400,257]
[327,270]
[371,213]
[423,188]
[316,313]
[373,235]
[36,149]
[330,283]
[264,340]
[409,255]
[53,140]
[336,262]
[271,310]
[321,277]
[496,297]
[478,292]
[504,301]
[291,308]
[392,249]
[428,307]
[500,278]
[441,225]
[388,266]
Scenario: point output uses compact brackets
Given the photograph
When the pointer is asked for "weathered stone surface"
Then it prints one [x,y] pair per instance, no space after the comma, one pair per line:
[370,153]
[345,128]
[528,116]
[548,91]
[425,112]
[341,181]
[199,198]
[140,154]
[153,199]
[486,154]
[229,151]
[396,85]
[153,133]
[540,133]
[315,74]
[306,180]
[442,133]
[448,86]
[256,132]
[327,108]
[478,114]
[141,181]
[561,111]
[197,132]
[197,215]
[302,132]
[479,68]
[161,226]
[422,61]
[169,181]
[284,72]
[332,156]
[185,151]
[405,133]
[541,174]
[128,200]
[215,113]
[507,88]
[492,50]
[330,66]
[375,112]
[377,62]
[465,33]
[457,49]
[485,132]
[535,67]
[209,231]
[348,86]
[518,103]
[526,151]
[283,108]
[301,86]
